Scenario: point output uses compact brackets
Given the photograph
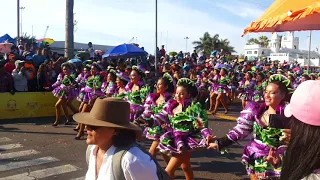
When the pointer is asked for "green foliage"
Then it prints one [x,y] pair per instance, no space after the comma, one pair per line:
[27,39]
[208,43]
[261,40]
[173,53]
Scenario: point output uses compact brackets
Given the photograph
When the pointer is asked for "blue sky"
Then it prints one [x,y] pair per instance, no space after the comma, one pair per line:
[112,22]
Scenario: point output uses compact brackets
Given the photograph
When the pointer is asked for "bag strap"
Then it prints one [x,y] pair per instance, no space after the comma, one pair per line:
[117,170]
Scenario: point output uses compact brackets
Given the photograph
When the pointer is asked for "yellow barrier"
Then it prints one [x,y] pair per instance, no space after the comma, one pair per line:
[28,105]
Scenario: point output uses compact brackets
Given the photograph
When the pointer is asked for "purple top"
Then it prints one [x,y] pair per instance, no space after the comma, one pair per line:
[130,85]
[151,101]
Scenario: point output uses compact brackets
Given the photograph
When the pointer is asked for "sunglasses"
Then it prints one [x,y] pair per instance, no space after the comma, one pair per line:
[92,127]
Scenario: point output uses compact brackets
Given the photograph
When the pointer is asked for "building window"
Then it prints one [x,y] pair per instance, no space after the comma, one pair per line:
[255,52]
[249,52]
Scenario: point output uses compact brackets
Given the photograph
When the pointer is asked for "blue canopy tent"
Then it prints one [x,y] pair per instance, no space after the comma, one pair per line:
[8,38]
[125,51]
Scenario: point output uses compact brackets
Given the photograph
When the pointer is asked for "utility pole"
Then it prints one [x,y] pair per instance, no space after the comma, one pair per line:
[156,41]
[309,58]
[21,8]
[18,19]
[186,38]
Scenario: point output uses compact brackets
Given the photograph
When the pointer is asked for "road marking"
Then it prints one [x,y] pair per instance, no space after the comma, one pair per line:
[226,117]
[21,164]
[10,146]
[4,139]
[18,154]
[42,173]
[80,178]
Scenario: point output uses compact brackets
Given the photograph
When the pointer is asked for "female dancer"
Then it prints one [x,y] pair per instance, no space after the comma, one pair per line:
[246,89]
[89,93]
[213,92]
[136,92]
[110,86]
[153,105]
[65,90]
[259,88]
[222,89]
[121,81]
[81,80]
[185,123]
[260,154]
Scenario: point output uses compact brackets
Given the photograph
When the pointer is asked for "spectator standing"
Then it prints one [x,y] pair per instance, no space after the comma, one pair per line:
[91,50]
[38,58]
[20,77]
[109,132]
[5,79]
[31,70]
[162,51]
[10,66]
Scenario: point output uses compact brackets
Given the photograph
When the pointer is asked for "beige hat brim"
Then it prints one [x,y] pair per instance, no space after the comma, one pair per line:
[87,119]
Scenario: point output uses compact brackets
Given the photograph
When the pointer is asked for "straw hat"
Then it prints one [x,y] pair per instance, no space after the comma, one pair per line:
[108,112]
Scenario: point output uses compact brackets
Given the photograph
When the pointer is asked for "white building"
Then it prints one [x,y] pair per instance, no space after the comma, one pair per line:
[283,48]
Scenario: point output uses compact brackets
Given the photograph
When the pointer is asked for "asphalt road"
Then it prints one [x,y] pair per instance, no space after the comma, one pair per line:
[33,149]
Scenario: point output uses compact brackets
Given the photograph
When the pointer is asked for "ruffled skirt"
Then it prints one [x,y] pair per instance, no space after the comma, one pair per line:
[174,142]
[222,89]
[65,93]
[86,95]
[253,158]
[258,97]
[135,111]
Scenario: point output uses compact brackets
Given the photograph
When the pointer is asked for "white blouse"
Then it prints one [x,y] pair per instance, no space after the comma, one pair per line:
[136,165]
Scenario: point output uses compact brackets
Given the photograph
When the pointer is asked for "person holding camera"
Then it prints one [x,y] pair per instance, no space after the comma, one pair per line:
[20,77]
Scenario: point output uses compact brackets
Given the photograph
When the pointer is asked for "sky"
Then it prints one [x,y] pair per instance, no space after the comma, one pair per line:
[113,22]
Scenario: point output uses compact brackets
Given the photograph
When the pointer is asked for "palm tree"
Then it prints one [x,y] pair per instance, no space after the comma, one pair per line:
[69,41]
[264,41]
[207,44]
[253,41]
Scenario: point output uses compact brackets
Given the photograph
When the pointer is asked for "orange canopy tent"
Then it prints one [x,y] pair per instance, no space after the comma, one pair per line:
[288,15]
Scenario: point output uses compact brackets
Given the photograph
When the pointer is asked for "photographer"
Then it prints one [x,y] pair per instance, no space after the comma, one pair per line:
[20,77]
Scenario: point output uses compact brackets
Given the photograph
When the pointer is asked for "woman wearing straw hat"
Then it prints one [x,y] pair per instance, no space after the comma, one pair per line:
[109,130]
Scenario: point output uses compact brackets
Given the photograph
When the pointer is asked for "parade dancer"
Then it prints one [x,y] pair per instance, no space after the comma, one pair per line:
[65,90]
[246,89]
[121,82]
[89,93]
[264,153]
[136,92]
[153,105]
[259,88]
[183,120]
[81,80]
[109,87]
[214,86]
[222,90]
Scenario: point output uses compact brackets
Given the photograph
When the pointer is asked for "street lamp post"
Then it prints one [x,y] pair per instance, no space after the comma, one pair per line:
[309,58]
[156,41]
[21,8]
[186,38]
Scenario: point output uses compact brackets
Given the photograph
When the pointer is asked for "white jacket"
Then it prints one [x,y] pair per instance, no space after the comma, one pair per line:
[20,80]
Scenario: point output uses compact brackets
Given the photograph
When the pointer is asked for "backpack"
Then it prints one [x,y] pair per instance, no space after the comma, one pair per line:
[117,170]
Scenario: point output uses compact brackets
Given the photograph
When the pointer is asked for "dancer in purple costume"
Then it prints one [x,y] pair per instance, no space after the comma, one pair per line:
[213,90]
[186,126]
[246,89]
[264,153]
[154,105]
[65,89]
[259,88]
[109,87]
[136,84]
[81,80]
[89,93]
[222,90]
[121,81]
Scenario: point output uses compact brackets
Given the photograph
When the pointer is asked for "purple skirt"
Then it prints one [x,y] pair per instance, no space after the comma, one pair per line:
[86,94]
[174,142]
[135,111]
[257,150]
[65,93]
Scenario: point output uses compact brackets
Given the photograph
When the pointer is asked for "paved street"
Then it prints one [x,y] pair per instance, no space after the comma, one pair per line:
[36,150]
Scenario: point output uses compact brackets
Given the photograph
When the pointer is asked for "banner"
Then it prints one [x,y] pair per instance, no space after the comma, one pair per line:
[28,105]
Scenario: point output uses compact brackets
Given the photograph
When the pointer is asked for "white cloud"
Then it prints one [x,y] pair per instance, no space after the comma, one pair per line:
[242,9]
